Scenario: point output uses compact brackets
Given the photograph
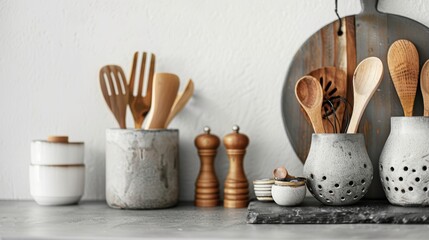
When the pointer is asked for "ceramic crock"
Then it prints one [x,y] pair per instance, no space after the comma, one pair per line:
[338,168]
[404,162]
[142,168]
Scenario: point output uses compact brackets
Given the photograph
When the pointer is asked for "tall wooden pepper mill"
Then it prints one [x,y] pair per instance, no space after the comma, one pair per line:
[236,194]
[207,185]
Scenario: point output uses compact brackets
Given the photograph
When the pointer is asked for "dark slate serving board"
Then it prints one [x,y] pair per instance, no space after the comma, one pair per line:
[314,212]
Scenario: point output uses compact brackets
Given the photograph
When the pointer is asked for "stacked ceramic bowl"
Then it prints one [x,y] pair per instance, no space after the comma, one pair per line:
[57,171]
[262,189]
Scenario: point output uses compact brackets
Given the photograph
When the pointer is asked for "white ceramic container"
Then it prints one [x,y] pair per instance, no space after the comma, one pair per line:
[57,185]
[56,153]
[142,168]
[338,168]
[288,195]
[404,162]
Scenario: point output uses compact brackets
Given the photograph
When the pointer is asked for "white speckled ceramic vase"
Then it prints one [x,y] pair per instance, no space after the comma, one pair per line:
[142,168]
[404,162]
[338,168]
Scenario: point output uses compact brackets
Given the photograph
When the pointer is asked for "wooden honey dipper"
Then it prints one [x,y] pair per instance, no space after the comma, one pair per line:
[236,193]
[207,185]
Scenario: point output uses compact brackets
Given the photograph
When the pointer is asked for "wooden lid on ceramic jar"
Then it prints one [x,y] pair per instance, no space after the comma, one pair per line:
[57,150]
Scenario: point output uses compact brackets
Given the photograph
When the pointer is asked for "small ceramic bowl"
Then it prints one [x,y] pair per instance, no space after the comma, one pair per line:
[289,192]
[262,188]
[57,185]
[56,153]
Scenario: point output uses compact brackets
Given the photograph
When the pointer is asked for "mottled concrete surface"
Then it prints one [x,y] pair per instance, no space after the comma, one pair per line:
[95,220]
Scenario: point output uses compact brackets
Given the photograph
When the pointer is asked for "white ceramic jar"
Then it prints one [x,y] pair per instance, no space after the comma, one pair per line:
[57,172]
[404,162]
[338,168]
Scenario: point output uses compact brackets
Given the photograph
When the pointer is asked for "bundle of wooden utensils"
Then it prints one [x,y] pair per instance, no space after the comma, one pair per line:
[160,103]
[321,92]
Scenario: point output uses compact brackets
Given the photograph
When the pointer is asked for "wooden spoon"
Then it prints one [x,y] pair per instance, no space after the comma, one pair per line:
[115,91]
[366,79]
[181,101]
[403,62]
[424,86]
[309,94]
[165,87]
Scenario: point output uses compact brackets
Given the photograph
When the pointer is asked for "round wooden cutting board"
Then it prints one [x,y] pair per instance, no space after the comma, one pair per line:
[369,33]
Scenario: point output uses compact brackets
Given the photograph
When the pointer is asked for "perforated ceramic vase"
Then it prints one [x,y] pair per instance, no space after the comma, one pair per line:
[404,162]
[338,168]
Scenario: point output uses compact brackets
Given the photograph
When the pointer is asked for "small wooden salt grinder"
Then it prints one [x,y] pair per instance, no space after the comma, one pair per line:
[236,193]
[207,185]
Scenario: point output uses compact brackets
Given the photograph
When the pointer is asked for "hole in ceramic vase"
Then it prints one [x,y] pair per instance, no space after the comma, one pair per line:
[414,170]
[363,189]
[402,190]
[400,179]
[355,197]
[311,189]
[396,189]
[328,201]
[364,166]
[387,179]
[311,176]
[349,192]
[363,181]
[410,189]
[381,167]
[320,195]
[388,188]
[343,198]
[337,185]
[351,183]
[425,189]
[417,179]
[424,168]
[319,186]
[331,192]
[405,168]
[392,169]
[324,178]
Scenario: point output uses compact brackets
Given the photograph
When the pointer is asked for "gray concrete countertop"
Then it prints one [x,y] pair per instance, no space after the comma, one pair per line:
[95,220]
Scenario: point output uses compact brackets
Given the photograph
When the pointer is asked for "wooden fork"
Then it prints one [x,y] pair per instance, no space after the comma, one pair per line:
[115,92]
[139,104]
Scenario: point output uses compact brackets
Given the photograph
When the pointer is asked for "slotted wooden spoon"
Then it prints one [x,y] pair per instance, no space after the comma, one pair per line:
[180,102]
[403,62]
[366,79]
[165,87]
[114,88]
[139,104]
[334,85]
[424,86]
[309,94]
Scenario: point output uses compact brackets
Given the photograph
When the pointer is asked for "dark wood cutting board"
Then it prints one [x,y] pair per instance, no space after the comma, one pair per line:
[314,212]
[369,33]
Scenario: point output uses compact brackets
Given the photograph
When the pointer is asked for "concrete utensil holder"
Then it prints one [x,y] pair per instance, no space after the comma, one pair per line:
[142,168]
[338,168]
[404,162]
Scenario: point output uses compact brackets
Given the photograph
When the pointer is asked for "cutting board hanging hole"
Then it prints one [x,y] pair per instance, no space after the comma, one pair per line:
[340,32]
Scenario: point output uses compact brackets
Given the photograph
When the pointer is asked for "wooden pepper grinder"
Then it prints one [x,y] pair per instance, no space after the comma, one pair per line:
[207,185]
[236,185]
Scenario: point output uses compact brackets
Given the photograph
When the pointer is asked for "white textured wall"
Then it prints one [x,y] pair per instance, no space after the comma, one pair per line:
[237,52]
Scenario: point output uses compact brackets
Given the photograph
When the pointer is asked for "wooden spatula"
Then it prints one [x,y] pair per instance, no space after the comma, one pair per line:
[115,91]
[403,62]
[424,86]
[180,102]
[165,87]
[309,94]
[139,104]
[366,79]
